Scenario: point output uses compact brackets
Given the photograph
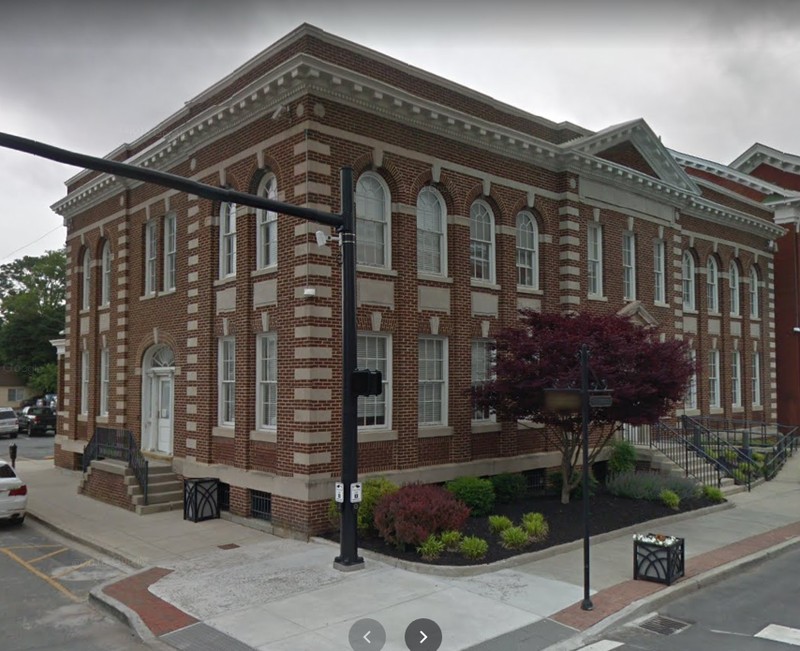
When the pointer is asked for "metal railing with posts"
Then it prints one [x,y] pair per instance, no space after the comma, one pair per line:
[694,461]
[119,444]
[734,462]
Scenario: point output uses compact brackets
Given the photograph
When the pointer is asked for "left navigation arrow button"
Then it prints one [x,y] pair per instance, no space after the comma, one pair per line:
[367,635]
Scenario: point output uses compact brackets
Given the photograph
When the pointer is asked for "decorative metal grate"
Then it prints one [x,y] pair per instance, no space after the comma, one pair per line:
[537,480]
[224,496]
[663,625]
[200,499]
[261,505]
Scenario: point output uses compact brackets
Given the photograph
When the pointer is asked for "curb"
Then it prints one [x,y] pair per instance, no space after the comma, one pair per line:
[521,559]
[641,607]
[120,611]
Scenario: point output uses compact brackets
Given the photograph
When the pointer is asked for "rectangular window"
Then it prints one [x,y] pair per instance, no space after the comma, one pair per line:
[595,257]
[690,400]
[170,246]
[104,382]
[85,382]
[432,381]
[481,372]
[736,379]
[374,353]
[659,273]
[628,266]
[227,241]
[15,395]
[756,379]
[267,380]
[150,255]
[713,379]
[227,381]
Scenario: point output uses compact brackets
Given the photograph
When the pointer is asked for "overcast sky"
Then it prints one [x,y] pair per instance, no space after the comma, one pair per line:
[710,77]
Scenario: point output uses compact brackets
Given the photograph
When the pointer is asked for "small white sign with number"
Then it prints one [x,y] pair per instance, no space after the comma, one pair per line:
[339,496]
[355,493]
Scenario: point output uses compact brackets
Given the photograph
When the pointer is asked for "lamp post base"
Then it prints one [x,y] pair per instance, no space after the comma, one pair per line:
[587,604]
[348,565]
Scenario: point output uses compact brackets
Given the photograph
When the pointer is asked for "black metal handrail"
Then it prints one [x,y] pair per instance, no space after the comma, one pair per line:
[735,462]
[119,444]
[694,461]
[785,447]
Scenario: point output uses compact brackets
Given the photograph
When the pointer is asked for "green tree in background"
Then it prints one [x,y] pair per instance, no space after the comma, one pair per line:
[32,312]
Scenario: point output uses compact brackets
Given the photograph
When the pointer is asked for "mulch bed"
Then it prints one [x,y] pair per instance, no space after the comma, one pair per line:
[608,513]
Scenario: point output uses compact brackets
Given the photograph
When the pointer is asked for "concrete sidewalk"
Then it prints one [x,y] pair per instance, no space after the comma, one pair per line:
[217,584]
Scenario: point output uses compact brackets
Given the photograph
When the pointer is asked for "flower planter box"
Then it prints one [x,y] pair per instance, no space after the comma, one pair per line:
[659,561]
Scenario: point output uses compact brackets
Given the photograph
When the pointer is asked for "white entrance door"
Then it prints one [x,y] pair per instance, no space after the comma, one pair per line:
[163,413]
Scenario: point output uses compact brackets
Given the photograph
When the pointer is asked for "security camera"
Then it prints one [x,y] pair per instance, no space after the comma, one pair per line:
[322,238]
[796,329]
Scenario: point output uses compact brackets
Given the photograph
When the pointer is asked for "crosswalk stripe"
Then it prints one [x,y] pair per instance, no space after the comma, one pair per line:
[602,645]
[779,633]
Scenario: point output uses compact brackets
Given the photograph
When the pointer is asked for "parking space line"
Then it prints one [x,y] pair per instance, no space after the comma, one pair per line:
[70,570]
[53,583]
[41,558]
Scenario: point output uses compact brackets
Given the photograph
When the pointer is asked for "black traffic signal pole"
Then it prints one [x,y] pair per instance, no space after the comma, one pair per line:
[344,223]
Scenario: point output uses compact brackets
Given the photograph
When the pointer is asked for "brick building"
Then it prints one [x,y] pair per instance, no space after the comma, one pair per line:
[212,331]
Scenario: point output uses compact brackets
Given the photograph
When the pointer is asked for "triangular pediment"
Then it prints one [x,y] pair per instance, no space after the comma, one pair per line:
[637,313]
[634,145]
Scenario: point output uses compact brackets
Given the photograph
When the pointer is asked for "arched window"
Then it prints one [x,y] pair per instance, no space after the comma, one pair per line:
[689,293]
[712,285]
[373,221]
[227,240]
[431,232]
[481,242]
[527,251]
[733,279]
[267,225]
[755,308]
[86,287]
[105,276]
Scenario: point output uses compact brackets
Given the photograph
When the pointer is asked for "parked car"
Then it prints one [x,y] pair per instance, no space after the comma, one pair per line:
[13,495]
[8,422]
[39,420]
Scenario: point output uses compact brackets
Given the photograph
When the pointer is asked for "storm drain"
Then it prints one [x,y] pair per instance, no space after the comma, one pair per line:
[201,637]
[663,625]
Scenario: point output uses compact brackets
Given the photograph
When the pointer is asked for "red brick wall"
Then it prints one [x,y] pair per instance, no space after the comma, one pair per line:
[108,487]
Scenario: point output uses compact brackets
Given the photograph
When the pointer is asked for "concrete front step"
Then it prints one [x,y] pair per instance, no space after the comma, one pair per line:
[158,498]
[142,509]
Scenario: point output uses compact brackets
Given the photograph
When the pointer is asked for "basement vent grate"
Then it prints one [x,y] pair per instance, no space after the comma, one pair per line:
[663,625]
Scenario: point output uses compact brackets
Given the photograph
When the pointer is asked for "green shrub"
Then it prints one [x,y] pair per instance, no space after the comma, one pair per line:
[476,493]
[623,457]
[729,455]
[474,547]
[670,499]
[509,487]
[759,457]
[499,523]
[431,548]
[713,493]
[535,525]
[648,486]
[684,487]
[372,491]
[514,538]
[746,468]
[412,513]
[334,514]
[451,540]
[739,477]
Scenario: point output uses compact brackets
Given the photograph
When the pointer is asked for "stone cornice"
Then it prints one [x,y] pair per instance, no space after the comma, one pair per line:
[718,214]
[758,154]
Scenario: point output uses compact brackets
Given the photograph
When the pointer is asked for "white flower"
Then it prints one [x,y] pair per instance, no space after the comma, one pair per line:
[655,539]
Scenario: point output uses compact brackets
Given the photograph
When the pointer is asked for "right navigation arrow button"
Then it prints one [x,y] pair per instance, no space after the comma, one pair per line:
[423,635]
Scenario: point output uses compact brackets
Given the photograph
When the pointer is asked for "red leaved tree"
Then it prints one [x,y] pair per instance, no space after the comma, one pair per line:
[646,377]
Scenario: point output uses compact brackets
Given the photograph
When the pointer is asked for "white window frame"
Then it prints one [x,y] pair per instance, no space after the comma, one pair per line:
[756,379]
[150,257]
[689,282]
[442,344]
[86,284]
[85,382]
[736,378]
[527,250]
[714,384]
[431,241]
[373,221]
[755,307]
[594,257]
[712,286]
[104,382]
[267,381]
[267,226]
[735,285]
[659,272]
[105,275]
[690,399]
[367,358]
[481,242]
[226,381]
[170,250]
[227,240]
[628,266]
[482,370]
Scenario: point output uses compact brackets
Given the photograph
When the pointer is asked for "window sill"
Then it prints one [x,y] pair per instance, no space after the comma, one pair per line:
[716,410]
[266,271]
[483,284]
[224,431]
[102,420]
[689,310]
[714,314]
[597,297]
[755,319]
[376,435]
[660,304]
[524,289]
[84,311]
[757,408]
[83,418]
[104,308]
[167,292]
[264,435]
[688,412]
[225,281]
[433,278]
[737,410]
[529,424]
[381,271]
[433,432]
[738,317]
[147,297]
[481,427]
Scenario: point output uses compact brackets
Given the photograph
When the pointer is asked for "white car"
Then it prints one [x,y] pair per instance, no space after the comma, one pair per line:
[13,495]
[8,422]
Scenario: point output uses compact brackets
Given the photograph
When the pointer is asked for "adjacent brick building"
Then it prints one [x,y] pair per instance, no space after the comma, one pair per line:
[212,332]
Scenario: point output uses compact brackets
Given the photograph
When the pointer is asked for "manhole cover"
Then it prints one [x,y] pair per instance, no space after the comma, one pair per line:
[663,625]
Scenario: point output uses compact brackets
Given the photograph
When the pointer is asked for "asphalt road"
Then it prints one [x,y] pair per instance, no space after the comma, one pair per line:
[758,610]
[44,586]
[35,447]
